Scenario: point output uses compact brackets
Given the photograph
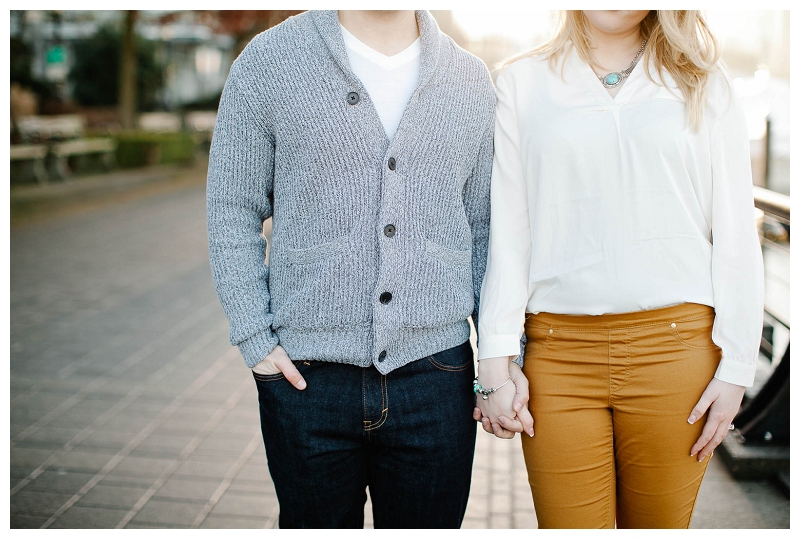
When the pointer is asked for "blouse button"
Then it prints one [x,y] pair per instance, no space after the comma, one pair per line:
[672,325]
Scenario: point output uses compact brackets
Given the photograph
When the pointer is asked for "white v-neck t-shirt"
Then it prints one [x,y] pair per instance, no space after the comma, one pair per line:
[390,80]
[613,205]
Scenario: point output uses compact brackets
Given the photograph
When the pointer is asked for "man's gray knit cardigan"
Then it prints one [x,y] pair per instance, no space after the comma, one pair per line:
[378,248]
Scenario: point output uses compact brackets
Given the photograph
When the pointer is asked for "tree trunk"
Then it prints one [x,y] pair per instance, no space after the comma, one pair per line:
[127,82]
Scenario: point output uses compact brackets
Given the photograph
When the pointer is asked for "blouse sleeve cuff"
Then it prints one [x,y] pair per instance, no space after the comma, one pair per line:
[736,372]
[498,346]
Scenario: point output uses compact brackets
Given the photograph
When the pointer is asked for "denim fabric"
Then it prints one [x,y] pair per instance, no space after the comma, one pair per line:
[407,435]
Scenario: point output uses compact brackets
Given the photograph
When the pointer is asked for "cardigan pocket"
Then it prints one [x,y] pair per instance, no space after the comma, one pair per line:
[439,287]
[317,253]
[448,256]
[319,287]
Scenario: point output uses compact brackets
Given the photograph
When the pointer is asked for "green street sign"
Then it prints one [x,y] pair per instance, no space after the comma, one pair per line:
[55,55]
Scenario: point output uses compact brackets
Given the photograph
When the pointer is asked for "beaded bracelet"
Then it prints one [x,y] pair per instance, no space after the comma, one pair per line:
[485,392]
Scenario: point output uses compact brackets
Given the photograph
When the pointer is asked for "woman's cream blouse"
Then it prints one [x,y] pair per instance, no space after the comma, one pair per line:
[610,205]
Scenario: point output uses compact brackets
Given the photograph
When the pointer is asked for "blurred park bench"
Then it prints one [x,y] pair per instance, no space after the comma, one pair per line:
[54,147]
[35,154]
[53,141]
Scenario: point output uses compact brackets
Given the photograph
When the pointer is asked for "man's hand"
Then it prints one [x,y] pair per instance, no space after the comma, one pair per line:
[277,361]
[496,414]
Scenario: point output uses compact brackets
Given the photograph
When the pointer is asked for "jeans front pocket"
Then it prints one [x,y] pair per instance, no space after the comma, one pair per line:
[694,333]
[455,359]
[265,378]
[537,337]
[302,366]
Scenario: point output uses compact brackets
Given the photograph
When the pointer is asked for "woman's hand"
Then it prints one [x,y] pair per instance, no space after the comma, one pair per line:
[722,400]
[497,413]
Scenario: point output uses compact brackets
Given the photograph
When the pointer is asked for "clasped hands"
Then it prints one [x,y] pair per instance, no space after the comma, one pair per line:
[505,411]
[503,414]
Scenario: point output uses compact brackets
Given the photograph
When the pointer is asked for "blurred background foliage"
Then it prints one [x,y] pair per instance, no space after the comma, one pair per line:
[136,149]
[95,73]
[162,71]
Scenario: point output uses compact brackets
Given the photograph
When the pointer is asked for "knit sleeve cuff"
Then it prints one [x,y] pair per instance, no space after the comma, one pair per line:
[258,347]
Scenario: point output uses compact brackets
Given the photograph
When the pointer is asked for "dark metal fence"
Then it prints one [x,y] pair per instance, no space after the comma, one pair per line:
[759,447]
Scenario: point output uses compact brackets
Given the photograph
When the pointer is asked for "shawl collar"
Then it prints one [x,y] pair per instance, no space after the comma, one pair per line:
[327,23]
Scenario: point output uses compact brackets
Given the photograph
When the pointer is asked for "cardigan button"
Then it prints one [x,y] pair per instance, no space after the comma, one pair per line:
[389,231]
[353,98]
[381,356]
[392,163]
[385,298]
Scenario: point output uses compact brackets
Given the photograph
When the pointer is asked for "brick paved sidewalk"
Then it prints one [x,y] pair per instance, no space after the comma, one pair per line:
[129,409]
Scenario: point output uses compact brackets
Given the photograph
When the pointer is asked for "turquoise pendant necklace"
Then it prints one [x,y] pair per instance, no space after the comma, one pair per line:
[615,78]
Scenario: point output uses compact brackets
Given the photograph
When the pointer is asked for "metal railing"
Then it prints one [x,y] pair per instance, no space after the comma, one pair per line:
[760,445]
[771,203]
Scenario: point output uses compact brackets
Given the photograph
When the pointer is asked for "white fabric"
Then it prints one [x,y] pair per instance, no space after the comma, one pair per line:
[607,205]
[390,80]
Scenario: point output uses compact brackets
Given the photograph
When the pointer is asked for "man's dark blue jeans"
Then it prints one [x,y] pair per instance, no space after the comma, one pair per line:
[408,436]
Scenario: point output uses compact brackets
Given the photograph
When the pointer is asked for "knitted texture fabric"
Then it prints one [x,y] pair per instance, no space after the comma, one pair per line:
[378,249]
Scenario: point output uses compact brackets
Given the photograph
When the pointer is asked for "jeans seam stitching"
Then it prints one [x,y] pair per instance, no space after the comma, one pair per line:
[635,326]
[628,360]
[384,406]
[447,368]
[268,377]
[686,344]
[542,345]
[612,472]
[694,503]
[610,381]
[364,401]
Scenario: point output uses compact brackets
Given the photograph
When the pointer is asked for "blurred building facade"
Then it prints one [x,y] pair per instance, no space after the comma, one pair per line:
[197,47]
[196,59]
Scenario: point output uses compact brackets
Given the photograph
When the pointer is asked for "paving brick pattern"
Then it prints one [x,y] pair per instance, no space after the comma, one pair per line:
[130,409]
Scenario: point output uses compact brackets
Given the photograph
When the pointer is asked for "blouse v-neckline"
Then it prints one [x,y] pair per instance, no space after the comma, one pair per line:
[625,92]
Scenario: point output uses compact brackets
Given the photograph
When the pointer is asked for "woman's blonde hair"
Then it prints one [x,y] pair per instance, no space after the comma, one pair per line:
[678,42]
